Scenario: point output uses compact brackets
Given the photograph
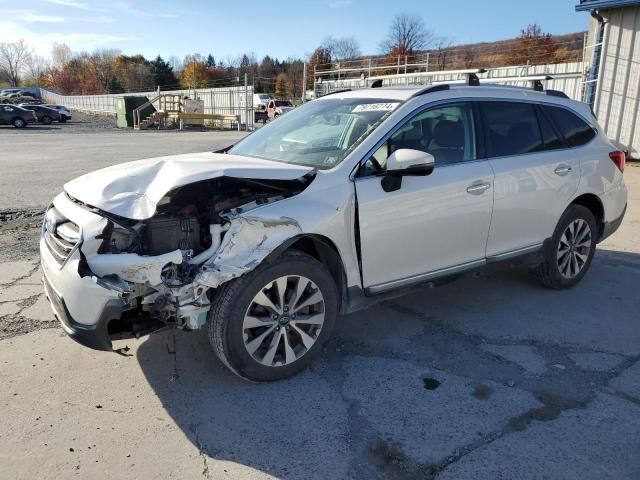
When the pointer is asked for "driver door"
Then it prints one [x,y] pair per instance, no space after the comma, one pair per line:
[432,225]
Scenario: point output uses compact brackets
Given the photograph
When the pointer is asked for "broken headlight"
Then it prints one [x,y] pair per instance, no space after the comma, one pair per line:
[118,239]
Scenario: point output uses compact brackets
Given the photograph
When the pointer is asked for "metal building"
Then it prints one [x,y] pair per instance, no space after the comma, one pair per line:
[613,82]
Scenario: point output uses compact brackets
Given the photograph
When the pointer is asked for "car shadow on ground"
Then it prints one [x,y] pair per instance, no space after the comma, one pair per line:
[31,126]
[303,427]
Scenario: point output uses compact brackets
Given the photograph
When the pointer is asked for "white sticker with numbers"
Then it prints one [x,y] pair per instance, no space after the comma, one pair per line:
[375,107]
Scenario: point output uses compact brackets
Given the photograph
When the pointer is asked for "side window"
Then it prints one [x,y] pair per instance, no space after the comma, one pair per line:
[511,128]
[575,130]
[8,109]
[446,132]
[550,137]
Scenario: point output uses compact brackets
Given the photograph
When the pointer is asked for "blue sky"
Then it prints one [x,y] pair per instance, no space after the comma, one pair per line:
[280,28]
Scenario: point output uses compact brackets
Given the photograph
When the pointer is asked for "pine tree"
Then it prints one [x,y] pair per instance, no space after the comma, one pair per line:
[114,86]
[282,85]
[210,62]
[163,73]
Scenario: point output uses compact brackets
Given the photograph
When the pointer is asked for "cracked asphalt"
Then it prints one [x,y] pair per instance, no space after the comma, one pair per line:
[491,377]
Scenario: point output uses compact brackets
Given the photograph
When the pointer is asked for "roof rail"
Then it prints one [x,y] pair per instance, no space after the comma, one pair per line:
[335,91]
[557,93]
[434,88]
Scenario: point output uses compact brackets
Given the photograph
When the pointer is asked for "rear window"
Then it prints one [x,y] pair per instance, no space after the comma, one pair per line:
[575,130]
[511,128]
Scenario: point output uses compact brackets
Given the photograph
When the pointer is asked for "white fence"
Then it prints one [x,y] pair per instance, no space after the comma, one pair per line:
[567,77]
[217,101]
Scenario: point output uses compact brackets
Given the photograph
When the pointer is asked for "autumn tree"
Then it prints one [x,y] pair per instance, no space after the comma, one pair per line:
[407,35]
[134,73]
[194,74]
[13,59]
[320,56]
[533,46]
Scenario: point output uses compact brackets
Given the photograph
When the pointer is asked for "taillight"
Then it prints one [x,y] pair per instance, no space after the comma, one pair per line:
[619,158]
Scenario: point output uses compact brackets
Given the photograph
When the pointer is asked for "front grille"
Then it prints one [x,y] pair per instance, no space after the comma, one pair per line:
[60,235]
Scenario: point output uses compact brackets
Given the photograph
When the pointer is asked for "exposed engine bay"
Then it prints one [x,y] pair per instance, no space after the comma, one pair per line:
[172,257]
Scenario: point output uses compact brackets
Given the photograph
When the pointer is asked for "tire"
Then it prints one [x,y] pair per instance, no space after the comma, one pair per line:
[47,120]
[63,119]
[564,270]
[262,353]
[18,122]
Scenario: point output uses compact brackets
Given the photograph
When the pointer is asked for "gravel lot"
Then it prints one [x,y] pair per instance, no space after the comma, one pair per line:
[485,378]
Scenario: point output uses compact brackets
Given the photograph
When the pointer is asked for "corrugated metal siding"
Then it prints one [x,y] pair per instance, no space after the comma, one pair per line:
[217,101]
[617,100]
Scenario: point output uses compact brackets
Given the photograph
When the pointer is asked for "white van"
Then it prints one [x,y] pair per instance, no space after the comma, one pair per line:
[260,99]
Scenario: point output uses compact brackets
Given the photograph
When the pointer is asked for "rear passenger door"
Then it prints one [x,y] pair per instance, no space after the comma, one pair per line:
[536,174]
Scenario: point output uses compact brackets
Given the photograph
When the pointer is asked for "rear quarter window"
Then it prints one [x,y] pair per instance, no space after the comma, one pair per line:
[575,130]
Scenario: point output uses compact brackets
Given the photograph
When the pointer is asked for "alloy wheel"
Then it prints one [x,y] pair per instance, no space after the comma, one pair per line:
[283,320]
[574,248]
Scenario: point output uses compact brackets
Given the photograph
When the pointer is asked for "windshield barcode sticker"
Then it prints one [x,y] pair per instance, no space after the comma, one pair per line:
[375,107]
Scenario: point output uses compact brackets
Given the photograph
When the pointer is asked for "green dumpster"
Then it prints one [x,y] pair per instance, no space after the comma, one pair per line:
[125,106]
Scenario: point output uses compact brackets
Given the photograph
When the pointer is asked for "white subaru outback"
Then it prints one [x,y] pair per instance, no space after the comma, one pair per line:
[347,200]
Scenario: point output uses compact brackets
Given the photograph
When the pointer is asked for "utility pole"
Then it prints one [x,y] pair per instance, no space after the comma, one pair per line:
[193,74]
[304,81]
[246,103]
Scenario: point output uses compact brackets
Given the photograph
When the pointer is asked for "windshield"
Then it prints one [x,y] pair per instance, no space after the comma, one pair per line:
[318,134]
[264,97]
[282,103]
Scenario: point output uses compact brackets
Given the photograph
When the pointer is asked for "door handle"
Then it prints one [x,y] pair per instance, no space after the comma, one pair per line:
[478,188]
[562,170]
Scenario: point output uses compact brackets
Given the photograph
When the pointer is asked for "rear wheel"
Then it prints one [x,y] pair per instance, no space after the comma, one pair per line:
[570,252]
[272,322]
[47,120]
[18,122]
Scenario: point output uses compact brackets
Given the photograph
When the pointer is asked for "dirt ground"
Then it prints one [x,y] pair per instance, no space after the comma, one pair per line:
[485,378]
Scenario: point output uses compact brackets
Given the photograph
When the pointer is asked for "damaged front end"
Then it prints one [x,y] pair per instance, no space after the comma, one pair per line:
[110,277]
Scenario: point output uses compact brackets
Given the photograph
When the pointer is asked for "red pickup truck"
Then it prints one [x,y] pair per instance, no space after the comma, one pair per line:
[277,107]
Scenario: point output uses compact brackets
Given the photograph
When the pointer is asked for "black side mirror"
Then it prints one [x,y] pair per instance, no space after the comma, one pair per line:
[405,162]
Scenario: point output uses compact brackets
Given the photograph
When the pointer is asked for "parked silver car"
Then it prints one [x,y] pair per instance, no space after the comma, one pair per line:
[65,113]
[345,201]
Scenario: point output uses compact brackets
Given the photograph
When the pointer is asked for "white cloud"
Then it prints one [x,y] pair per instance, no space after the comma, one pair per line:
[42,42]
[71,4]
[339,3]
[27,16]
[101,19]
[127,8]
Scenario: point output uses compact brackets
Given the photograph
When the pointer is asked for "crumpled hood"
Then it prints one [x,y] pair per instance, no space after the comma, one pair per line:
[133,189]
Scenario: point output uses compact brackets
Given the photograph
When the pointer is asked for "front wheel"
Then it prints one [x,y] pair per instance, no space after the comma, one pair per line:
[272,322]
[47,120]
[570,252]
